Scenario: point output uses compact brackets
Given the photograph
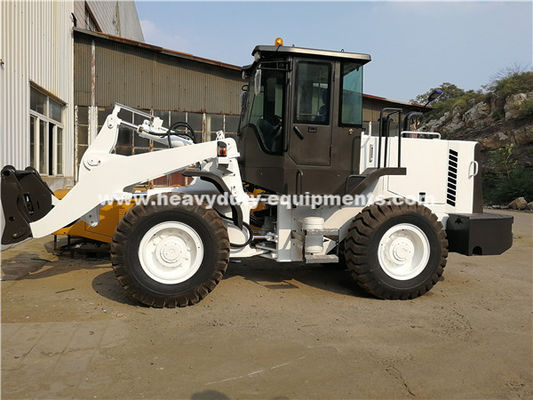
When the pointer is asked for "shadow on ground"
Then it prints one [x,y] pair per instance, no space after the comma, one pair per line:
[22,265]
[273,275]
[107,285]
[209,395]
[33,266]
[262,272]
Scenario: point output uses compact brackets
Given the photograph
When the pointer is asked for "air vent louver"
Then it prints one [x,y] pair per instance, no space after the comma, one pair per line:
[451,190]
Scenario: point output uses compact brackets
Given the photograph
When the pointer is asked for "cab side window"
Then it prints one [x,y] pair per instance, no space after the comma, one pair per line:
[351,94]
[266,113]
[313,93]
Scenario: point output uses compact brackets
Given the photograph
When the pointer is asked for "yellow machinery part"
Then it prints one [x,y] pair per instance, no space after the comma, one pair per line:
[110,215]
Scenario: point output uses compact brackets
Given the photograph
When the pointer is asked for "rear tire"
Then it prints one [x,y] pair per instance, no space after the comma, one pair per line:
[396,251]
[168,256]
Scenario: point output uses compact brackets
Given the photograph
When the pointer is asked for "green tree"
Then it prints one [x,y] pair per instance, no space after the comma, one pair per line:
[451,97]
[506,179]
[449,91]
[502,161]
[510,81]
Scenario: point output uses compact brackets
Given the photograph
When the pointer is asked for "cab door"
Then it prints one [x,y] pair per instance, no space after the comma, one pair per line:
[348,121]
[310,128]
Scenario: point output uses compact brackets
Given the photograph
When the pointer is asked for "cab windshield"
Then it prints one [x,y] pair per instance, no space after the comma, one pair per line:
[263,107]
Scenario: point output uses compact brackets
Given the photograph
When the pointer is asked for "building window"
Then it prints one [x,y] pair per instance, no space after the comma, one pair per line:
[205,127]
[128,143]
[46,133]
[82,132]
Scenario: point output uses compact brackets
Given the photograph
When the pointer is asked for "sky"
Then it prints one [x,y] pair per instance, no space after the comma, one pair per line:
[414,45]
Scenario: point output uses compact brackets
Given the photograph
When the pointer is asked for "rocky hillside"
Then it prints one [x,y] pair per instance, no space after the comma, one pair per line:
[500,117]
[494,124]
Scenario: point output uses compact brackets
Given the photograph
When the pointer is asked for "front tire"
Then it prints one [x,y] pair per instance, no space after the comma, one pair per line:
[396,251]
[168,256]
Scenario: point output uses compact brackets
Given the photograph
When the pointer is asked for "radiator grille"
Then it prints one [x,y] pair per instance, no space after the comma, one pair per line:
[452,178]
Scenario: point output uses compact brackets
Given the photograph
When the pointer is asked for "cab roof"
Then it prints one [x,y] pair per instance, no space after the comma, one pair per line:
[301,51]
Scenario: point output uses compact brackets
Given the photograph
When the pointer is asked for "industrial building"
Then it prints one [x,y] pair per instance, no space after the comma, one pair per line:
[59,81]
[174,86]
[37,78]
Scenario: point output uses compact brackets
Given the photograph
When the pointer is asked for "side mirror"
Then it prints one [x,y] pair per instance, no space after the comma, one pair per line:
[244,96]
[257,82]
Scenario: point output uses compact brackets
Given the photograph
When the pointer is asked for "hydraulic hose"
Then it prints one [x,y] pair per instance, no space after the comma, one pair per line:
[180,124]
[247,226]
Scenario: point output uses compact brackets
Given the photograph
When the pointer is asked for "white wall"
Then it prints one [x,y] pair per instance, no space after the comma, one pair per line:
[36,44]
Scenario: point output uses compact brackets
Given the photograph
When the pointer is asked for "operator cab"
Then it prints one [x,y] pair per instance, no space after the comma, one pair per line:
[301,119]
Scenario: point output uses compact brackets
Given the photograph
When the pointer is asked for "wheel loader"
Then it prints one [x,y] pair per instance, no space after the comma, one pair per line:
[386,202]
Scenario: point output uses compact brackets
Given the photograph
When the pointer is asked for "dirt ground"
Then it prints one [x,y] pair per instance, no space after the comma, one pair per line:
[268,331]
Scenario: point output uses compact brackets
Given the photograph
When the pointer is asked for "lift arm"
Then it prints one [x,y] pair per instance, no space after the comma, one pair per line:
[103,175]
[111,176]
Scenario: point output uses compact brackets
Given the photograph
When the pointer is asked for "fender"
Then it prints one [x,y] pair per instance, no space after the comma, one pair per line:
[236,212]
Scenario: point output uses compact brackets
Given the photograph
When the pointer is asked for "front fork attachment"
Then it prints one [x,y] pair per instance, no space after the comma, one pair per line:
[25,198]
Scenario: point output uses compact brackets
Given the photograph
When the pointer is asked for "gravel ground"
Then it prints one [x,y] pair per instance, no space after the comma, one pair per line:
[268,331]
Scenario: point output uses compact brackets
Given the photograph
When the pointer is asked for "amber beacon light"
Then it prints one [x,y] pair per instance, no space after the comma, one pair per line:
[278,42]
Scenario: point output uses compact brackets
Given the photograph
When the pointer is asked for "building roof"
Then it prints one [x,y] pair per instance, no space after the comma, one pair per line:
[406,103]
[294,50]
[158,49]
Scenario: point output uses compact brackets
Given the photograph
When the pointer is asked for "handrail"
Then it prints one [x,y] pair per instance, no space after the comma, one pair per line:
[390,111]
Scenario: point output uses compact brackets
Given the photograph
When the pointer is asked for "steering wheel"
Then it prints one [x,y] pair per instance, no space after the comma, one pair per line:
[277,125]
[270,133]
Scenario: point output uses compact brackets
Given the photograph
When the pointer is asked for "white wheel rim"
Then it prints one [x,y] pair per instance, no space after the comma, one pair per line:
[171,252]
[403,251]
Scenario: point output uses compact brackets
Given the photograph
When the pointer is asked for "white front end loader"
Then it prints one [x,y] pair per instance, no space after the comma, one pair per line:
[387,207]
[172,248]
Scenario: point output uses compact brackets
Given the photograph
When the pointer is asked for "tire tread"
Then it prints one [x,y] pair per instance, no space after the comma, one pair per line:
[191,297]
[359,238]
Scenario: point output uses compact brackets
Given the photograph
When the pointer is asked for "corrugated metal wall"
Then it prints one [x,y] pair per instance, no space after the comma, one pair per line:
[35,45]
[372,108]
[79,12]
[148,79]
[117,18]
